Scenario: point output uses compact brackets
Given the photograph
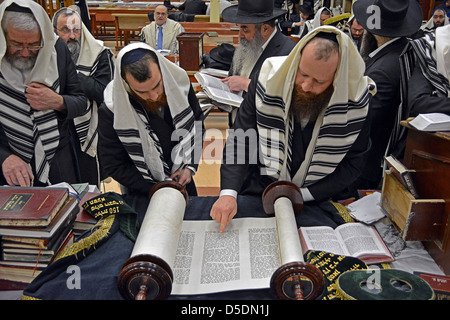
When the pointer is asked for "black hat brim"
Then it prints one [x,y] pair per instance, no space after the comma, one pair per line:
[214,54]
[411,24]
[231,14]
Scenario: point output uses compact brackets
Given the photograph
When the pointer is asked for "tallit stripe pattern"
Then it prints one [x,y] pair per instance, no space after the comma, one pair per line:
[30,133]
[418,51]
[132,143]
[342,124]
[86,124]
[424,53]
[272,131]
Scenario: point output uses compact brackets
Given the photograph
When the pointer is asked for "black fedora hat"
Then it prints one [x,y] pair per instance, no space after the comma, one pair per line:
[252,11]
[223,53]
[389,18]
[306,9]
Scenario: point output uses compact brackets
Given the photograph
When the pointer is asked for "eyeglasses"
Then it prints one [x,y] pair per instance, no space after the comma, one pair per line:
[29,48]
[66,30]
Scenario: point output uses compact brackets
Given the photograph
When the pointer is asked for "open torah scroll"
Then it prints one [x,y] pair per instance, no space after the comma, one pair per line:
[192,257]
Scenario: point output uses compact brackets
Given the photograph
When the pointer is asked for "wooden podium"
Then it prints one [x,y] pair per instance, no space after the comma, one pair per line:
[428,153]
[190,46]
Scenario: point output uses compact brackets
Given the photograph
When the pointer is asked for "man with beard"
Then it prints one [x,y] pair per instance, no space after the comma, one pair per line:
[95,65]
[150,125]
[40,94]
[259,39]
[438,19]
[356,31]
[308,113]
[383,42]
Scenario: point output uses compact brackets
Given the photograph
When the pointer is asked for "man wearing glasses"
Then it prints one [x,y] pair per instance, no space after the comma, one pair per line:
[162,33]
[95,66]
[356,31]
[39,94]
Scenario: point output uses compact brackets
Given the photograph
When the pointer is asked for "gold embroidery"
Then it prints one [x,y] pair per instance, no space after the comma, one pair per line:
[103,227]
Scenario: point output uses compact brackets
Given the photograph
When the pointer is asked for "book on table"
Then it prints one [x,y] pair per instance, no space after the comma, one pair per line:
[64,216]
[350,239]
[217,90]
[84,221]
[21,206]
[431,122]
[402,173]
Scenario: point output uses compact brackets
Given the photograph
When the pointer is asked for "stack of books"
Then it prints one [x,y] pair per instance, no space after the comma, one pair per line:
[35,224]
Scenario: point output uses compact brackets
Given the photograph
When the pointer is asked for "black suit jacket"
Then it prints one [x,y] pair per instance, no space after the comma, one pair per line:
[193,7]
[285,25]
[384,69]
[279,45]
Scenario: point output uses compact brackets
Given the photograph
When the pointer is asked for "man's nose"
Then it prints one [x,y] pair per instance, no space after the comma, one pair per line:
[307,85]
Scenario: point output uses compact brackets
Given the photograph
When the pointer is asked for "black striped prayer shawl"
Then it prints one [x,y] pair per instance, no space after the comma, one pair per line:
[30,133]
[87,63]
[336,128]
[134,131]
[421,52]
[86,124]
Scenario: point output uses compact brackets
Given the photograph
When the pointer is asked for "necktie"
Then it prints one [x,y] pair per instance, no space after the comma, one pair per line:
[160,39]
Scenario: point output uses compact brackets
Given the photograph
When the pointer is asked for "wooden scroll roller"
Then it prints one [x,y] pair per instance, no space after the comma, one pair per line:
[294,279]
[147,274]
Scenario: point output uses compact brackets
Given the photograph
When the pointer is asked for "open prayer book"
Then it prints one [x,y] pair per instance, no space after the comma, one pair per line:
[350,239]
[217,90]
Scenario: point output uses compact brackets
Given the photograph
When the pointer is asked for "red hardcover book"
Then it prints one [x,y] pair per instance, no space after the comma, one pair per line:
[36,207]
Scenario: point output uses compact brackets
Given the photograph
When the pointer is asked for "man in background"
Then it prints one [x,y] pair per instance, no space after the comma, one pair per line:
[259,39]
[95,66]
[162,33]
[40,95]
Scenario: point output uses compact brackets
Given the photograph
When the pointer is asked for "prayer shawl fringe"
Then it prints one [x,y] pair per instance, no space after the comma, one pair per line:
[337,126]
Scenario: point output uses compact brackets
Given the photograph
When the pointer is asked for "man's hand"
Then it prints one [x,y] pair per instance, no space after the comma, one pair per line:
[223,210]
[183,176]
[17,172]
[41,97]
[237,83]
[298,24]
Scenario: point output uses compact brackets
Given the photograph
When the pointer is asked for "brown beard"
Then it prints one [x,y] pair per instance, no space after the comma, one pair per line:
[152,106]
[307,105]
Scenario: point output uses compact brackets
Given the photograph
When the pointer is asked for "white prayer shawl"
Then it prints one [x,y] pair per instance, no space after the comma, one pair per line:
[315,23]
[336,128]
[86,124]
[30,133]
[133,129]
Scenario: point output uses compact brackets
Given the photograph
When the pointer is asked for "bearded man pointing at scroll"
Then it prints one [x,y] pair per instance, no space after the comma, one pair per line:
[310,114]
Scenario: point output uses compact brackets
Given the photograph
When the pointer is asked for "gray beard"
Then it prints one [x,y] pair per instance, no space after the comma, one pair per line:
[74,47]
[246,54]
[20,64]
